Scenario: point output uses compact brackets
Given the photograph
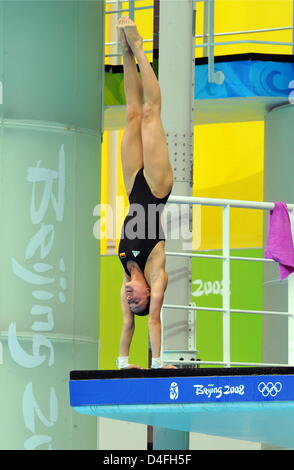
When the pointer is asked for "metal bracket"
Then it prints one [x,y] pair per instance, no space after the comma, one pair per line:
[185,356]
[180,148]
[180,357]
[192,327]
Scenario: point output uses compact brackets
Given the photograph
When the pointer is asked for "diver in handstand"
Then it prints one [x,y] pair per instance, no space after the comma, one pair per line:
[148,180]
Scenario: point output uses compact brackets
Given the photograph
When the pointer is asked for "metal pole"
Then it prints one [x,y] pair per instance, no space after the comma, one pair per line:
[113,136]
[226,286]
[224,202]
[211,41]
[213,77]
[291,308]
[132,9]
[176,77]
[291,320]
[229,33]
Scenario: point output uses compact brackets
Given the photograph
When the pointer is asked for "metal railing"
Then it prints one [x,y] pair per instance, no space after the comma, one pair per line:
[213,77]
[226,258]
[132,8]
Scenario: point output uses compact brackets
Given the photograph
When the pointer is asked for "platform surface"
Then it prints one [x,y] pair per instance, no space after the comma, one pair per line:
[255,404]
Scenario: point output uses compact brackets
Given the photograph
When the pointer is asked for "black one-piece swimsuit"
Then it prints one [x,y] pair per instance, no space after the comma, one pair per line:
[142,228]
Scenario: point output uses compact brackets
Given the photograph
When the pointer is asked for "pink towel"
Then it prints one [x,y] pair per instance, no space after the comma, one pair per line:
[279,244]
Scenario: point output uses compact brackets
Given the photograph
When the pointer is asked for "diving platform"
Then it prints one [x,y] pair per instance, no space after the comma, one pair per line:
[253,404]
[254,83]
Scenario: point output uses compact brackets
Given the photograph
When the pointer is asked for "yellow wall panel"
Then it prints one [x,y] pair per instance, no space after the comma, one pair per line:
[121,202]
[241,15]
[229,166]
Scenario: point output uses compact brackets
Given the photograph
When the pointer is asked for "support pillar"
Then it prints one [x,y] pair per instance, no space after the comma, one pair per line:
[176,77]
[51,89]
[278,186]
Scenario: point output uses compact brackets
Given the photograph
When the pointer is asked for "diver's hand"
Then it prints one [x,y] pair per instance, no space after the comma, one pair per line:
[168,366]
[131,366]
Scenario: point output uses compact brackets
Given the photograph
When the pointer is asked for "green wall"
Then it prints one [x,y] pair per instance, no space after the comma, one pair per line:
[246,292]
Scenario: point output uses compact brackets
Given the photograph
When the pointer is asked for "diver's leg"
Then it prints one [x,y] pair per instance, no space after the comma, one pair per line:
[157,166]
[131,147]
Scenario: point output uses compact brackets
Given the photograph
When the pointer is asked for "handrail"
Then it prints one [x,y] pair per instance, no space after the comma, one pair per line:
[232,310]
[110,12]
[227,33]
[226,258]
[211,33]
[273,43]
[206,201]
[116,55]
[249,31]
[234,258]
[117,43]
[220,44]
[111,2]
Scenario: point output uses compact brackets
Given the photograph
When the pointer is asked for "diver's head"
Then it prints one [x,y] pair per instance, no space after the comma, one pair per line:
[138,296]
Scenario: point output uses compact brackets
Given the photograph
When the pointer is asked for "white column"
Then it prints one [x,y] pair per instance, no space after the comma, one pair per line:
[176,77]
[226,287]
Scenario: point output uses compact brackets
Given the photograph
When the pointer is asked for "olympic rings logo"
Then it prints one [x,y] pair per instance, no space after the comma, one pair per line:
[269,388]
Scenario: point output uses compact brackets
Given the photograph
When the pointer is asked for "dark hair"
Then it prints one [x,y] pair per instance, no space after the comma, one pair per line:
[145,311]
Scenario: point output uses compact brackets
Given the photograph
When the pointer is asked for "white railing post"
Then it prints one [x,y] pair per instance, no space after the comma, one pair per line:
[291,301]
[132,9]
[226,287]
[211,41]
[291,304]
[213,77]
[291,320]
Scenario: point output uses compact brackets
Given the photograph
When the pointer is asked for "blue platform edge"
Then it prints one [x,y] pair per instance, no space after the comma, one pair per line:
[246,78]
[172,390]
[262,422]
[258,408]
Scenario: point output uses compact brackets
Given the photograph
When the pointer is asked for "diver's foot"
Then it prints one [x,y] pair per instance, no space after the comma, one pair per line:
[134,39]
[122,36]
